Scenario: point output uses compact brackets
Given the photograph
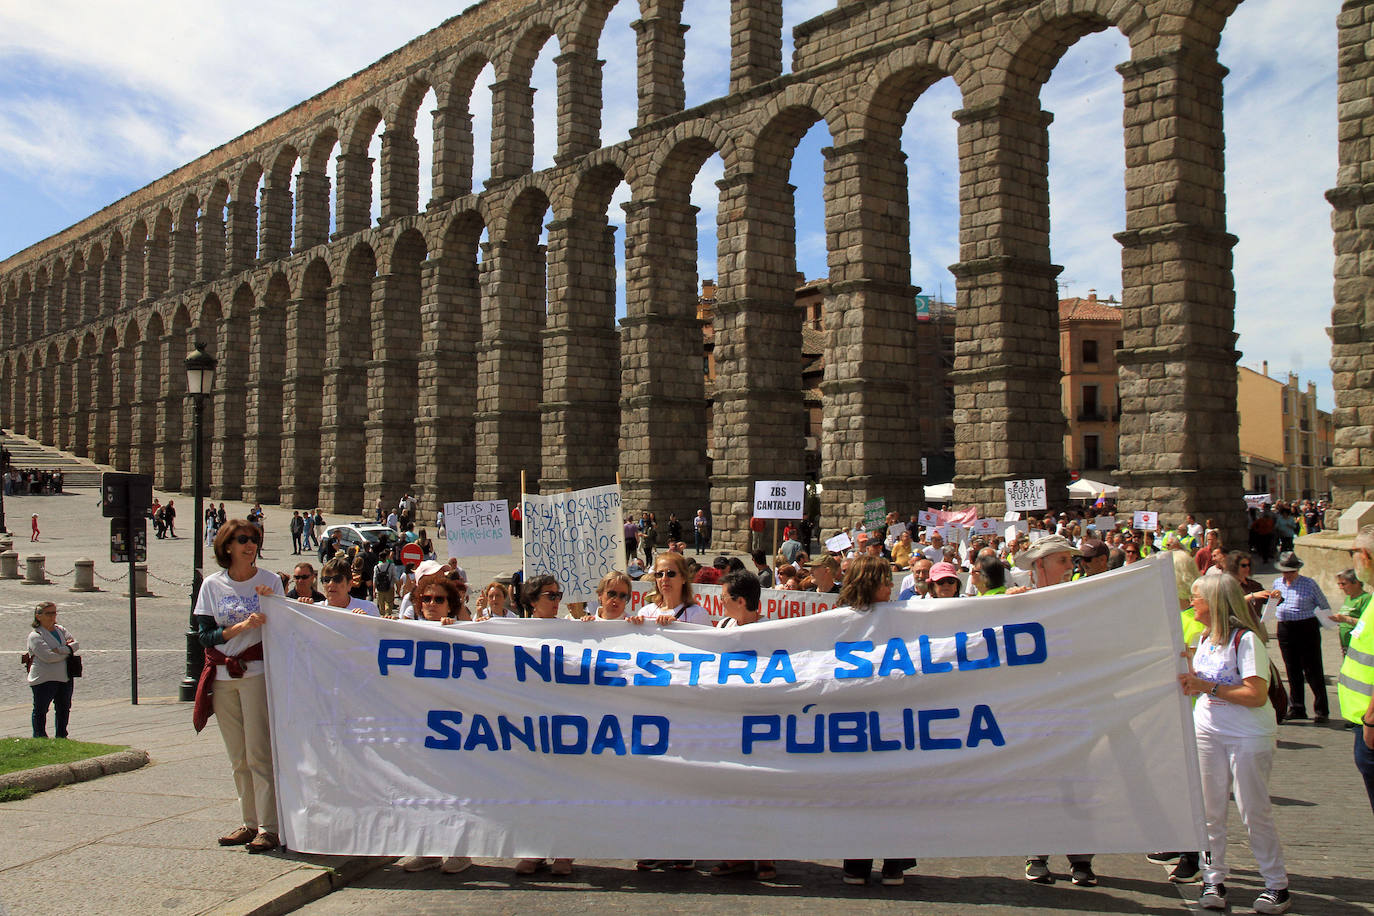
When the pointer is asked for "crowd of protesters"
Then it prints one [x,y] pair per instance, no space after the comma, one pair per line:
[370,578]
[32,482]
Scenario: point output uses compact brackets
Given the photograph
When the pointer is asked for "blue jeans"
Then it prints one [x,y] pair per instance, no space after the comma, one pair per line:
[50,693]
[1364,762]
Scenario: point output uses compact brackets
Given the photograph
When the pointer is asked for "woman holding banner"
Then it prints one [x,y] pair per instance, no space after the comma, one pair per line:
[672,597]
[543,594]
[868,582]
[1236,732]
[232,684]
[612,596]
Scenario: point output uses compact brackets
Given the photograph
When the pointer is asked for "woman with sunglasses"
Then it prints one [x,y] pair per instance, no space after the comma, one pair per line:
[441,600]
[1239,564]
[613,597]
[337,580]
[230,618]
[543,594]
[672,597]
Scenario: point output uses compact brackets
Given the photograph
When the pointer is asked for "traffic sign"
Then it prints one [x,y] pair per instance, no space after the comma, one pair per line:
[125,495]
[412,555]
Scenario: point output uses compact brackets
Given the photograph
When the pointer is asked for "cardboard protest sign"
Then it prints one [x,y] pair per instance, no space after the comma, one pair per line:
[477,529]
[779,498]
[1024,495]
[839,543]
[1146,521]
[575,537]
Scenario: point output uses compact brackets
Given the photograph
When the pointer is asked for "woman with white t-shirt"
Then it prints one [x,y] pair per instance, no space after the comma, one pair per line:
[336,578]
[230,618]
[672,597]
[1236,733]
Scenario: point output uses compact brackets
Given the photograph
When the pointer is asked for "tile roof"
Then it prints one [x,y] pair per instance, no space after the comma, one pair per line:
[1087,310]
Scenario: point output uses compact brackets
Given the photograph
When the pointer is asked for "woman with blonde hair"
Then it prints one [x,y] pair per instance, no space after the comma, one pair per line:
[1236,733]
[672,597]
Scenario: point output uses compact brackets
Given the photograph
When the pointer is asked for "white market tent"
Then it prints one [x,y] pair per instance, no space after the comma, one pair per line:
[940,492]
[1083,488]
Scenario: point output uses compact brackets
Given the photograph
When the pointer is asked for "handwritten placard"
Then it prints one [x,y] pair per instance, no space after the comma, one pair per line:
[1024,495]
[575,537]
[478,529]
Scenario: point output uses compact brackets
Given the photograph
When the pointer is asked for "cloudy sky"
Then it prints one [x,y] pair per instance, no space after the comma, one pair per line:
[97,100]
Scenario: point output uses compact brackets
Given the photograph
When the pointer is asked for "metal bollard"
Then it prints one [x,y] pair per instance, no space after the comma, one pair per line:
[9,565]
[85,576]
[33,570]
[140,582]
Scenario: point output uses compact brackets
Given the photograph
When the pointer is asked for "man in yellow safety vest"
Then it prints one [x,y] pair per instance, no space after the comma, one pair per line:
[1355,686]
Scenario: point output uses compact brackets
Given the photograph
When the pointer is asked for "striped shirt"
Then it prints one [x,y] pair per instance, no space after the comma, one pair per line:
[1300,600]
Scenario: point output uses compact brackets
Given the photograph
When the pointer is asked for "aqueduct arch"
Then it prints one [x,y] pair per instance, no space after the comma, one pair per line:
[510,357]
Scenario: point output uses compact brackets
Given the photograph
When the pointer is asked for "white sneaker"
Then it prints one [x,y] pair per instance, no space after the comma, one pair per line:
[452,865]
[418,863]
[1213,897]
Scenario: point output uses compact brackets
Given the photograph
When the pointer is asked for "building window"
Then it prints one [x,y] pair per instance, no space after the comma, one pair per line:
[1091,457]
[1089,351]
[1089,403]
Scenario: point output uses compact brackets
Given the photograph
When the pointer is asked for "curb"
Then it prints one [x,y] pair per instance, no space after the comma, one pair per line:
[40,779]
[287,893]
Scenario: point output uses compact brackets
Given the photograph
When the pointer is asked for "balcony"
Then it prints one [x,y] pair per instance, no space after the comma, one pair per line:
[1093,416]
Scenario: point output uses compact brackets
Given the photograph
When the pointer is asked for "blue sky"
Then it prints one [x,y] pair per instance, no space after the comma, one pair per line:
[97,100]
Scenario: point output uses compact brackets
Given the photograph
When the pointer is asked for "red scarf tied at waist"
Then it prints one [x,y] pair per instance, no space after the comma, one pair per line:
[205,689]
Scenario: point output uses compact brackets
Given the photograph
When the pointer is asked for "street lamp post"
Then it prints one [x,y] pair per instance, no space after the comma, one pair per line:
[200,381]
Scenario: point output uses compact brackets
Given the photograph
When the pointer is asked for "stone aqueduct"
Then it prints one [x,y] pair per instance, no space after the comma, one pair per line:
[391,355]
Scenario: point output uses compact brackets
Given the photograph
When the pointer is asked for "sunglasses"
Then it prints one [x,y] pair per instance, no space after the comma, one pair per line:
[301,577]
[556,596]
[247,538]
[665,574]
[618,596]
[434,599]
[330,580]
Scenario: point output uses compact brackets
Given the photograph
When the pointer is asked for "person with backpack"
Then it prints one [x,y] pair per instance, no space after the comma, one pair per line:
[384,584]
[1236,732]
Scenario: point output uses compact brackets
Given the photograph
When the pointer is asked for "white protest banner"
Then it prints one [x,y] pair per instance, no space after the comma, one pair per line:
[1048,721]
[839,543]
[477,529]
[779,498]
[1146,521]
[575,537]
[1024,495]
[1106,522]
[985,526]
[1257,500]
[774,603]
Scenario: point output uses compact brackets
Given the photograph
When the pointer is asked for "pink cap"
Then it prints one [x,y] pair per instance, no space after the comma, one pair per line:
[942,571]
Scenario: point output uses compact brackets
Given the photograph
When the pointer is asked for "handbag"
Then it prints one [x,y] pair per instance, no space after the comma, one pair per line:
[1278,694]
[27,659]
[74,665]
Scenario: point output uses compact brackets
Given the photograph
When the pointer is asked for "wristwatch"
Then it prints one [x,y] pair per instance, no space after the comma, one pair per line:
[1214,689]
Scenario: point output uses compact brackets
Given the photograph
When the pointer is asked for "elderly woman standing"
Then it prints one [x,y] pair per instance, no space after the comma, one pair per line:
[51,646]
[1236,733]
[230,616]
[869,582]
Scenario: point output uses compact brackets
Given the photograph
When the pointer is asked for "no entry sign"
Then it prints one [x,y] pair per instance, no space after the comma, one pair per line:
[412,555]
